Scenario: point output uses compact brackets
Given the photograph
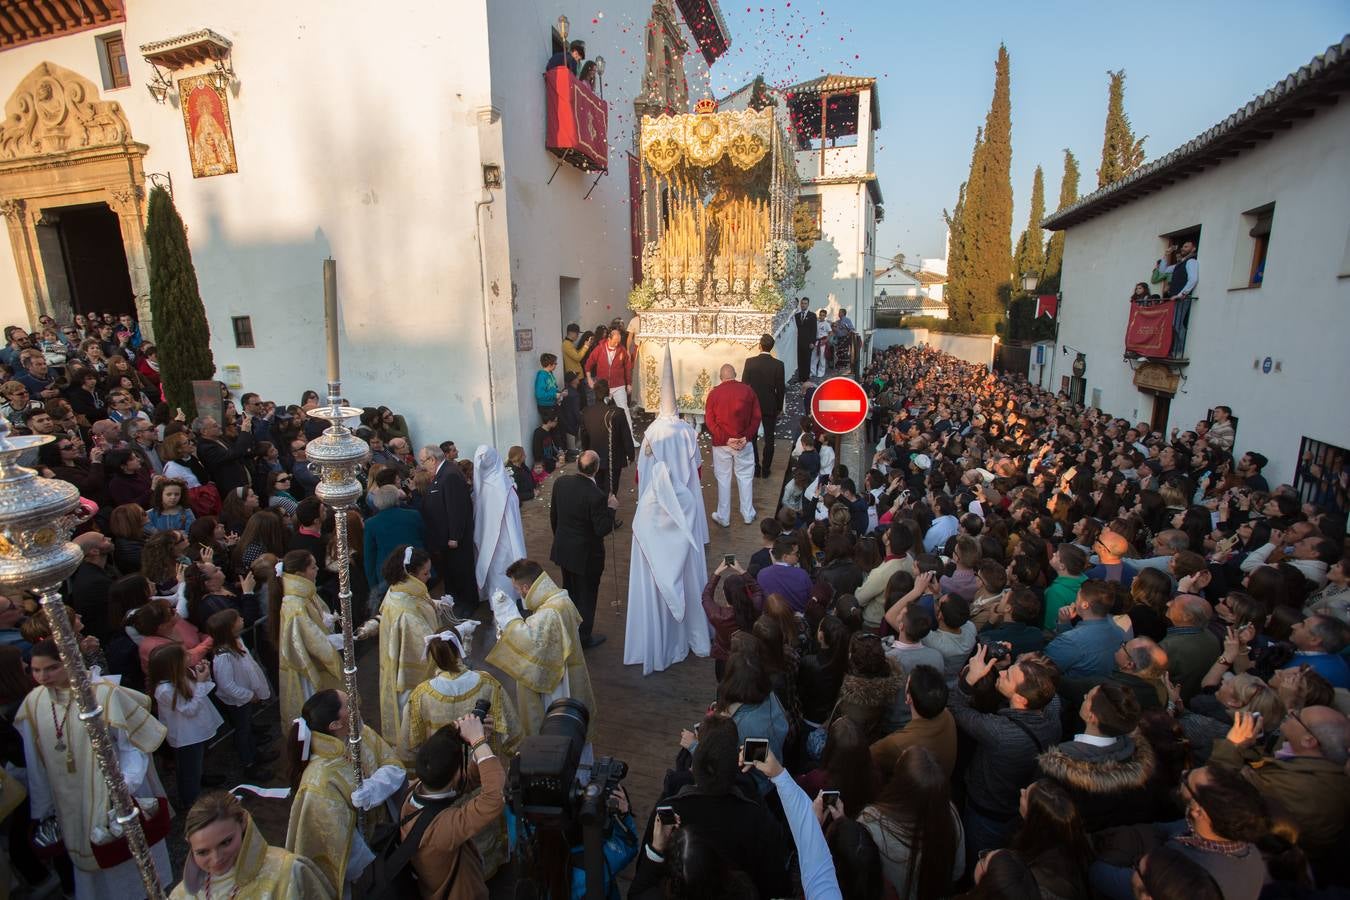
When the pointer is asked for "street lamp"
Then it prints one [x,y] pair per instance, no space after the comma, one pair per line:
[1029,281]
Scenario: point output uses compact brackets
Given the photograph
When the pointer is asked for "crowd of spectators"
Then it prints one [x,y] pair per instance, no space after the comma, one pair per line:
[1033,650]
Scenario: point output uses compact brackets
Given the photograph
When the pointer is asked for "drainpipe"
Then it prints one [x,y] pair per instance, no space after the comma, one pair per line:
[482,291]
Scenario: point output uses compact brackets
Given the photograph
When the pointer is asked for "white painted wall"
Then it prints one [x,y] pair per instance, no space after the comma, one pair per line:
[974,348]
[1298,317]
[841,273]
[362,137]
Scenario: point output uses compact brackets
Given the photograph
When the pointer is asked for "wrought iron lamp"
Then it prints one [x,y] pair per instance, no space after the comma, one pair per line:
[161,85]
[37,516]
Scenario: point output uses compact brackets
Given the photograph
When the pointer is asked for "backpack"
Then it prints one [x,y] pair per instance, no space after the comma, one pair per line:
[389,875]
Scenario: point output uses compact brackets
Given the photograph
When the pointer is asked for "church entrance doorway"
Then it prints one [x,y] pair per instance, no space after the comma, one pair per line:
[85,260]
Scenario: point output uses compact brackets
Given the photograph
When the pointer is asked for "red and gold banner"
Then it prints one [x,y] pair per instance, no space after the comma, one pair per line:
[1150,329]
[578,120]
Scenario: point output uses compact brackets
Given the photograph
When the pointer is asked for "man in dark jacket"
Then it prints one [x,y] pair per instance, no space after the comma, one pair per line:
[447,514]
[604,430]
[1104,768]
[726,815]
[89,584]
[805,320]
[227,462]
[1007,741]
[581,515]
[765,374]
[1140,664]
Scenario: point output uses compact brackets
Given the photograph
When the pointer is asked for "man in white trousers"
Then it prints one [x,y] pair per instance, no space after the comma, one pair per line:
[731,415]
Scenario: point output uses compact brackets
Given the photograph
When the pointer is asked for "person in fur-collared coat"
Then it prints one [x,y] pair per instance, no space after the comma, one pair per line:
[1108,768]
[871,686]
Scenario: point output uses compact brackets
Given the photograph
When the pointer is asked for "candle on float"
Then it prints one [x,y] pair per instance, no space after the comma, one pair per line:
[330,316]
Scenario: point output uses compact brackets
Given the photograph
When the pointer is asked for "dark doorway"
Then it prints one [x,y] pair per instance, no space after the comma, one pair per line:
[93,261]
[1162,407]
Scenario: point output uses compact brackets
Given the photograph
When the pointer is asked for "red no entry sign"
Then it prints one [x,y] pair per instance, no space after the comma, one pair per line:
[839,405]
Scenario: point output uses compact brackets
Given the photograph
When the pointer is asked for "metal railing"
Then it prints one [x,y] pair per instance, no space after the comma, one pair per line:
[1323,476]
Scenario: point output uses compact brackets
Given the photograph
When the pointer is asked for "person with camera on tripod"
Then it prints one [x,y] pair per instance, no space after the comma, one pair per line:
[458,801]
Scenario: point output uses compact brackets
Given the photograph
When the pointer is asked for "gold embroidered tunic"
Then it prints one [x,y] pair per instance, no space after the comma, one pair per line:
[407,617]
[543,654]
[323,818]
[260,872]
[309,663]
[448,696]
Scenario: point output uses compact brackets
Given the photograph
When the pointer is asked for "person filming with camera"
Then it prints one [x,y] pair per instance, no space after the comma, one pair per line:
[443,812]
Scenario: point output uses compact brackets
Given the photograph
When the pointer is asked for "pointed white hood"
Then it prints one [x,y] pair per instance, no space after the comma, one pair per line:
[668,408]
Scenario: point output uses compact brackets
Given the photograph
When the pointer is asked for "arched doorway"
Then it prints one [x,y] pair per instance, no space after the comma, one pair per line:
[72,191]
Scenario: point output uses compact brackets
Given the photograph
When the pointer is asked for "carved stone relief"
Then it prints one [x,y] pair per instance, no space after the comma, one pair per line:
[54,110]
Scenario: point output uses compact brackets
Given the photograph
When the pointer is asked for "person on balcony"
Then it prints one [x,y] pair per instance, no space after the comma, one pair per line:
[575,53]
[1183,278]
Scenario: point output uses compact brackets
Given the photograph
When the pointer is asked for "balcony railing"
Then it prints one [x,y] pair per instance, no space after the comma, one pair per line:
[1157,329]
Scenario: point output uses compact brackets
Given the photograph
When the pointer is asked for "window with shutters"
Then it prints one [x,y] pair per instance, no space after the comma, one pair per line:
[112,61]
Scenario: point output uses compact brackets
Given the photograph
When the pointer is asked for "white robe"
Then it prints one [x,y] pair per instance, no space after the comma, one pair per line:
[498,534]
[667,573]
[674,442]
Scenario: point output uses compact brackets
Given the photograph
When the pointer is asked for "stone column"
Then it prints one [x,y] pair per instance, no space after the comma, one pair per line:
[126,202]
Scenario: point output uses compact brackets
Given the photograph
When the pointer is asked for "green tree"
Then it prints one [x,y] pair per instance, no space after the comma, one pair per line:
[980,264]
[182,336]
[1030,256]
[1054,253]
[1122,153]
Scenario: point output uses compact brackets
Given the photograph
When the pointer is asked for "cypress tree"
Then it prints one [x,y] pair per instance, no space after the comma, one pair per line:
[183,337]
[958,249]
[978,287]
[1122,153]
[1031,247]
[1054,253]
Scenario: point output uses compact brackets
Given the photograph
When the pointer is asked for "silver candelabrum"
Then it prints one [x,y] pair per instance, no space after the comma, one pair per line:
[336,456]
[37,516]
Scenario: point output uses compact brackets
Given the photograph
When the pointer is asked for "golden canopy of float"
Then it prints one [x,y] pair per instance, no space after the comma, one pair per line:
[718,252]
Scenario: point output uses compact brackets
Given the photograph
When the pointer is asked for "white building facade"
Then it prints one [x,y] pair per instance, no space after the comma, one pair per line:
[1266,194]
[408,145]
[835,117]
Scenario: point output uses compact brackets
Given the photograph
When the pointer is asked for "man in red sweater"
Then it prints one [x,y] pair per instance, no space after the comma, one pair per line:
[613,362]
[732,417]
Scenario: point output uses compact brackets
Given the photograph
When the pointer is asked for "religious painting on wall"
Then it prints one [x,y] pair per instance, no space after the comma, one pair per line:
[206,116]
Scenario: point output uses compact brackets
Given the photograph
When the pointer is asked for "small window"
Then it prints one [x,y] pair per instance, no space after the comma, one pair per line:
[243,331]
[1260,235]
[113,61]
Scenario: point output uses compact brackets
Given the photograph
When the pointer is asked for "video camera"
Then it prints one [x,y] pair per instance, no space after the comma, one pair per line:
[556,786]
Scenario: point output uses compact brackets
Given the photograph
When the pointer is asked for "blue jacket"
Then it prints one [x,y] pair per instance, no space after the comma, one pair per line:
[545,388]
[1087,649]
[385,531]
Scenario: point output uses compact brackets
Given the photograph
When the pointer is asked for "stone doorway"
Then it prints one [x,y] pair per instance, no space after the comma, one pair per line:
[69,173]
[85,261]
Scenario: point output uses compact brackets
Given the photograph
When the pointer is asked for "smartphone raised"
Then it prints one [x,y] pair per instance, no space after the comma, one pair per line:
[755,749]
[665,815]
[729,559]
[830,798]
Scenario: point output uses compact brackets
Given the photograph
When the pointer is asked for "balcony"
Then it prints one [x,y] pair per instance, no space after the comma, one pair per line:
[1157,331]
[578,122]
[840,162]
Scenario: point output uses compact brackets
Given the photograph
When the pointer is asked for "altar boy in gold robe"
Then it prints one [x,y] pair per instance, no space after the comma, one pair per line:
[543,652]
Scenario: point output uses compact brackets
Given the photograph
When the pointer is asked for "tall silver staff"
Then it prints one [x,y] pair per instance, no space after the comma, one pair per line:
[37,516]
[336,455]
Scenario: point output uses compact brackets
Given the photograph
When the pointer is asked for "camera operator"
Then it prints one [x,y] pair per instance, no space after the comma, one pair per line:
[734,823]
[447,861]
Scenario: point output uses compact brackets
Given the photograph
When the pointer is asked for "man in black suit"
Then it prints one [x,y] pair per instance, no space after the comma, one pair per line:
[604,429]
[227,454]
[581,515]
[805,320]
[765,376]
[447,514]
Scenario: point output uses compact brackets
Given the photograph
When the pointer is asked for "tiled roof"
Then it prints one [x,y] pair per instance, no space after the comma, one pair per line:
[929,277]
[831,83]
[1295,98]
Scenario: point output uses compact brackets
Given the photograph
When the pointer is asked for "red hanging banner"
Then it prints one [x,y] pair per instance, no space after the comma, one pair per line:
[1150,329]
[578,121]
[1047,305]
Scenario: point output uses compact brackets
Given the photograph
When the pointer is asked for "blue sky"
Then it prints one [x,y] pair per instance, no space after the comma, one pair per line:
[1188,66]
